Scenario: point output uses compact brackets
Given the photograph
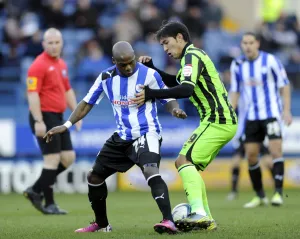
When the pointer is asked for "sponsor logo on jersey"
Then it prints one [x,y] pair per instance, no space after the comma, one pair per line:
[187,70]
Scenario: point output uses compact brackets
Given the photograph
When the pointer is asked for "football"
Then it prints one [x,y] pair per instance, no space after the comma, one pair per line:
[181,211]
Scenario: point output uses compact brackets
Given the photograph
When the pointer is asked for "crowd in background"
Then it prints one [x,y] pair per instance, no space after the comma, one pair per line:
[91,27]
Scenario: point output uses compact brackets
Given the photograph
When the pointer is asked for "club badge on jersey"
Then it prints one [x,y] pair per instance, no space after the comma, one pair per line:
[31,83]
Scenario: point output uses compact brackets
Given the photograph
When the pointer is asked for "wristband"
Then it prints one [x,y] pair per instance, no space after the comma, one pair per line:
[68,124]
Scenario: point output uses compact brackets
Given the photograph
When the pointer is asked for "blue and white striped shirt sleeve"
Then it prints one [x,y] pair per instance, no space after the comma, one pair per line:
[96,93]
[279,72]
[157,83]
[235,78]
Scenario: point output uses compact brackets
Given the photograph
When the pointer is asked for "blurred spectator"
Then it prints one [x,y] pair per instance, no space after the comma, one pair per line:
[271,10]
[213,14]
[12,32]
[127,28]
[85,16]
[33,45]
[54,16]
[179,7]
[95,61]
[105,38]
[150,17]
[194,20]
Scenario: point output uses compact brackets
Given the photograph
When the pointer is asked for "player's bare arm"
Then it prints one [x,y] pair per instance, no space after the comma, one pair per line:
[79,113]
[173,107]
[286,97]
[234,99]
[72,103]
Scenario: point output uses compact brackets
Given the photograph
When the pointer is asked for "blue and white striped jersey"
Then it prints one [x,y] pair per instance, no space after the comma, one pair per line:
[259,81]
[132,122]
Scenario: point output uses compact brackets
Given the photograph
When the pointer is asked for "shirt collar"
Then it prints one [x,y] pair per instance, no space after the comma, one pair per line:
[188,45]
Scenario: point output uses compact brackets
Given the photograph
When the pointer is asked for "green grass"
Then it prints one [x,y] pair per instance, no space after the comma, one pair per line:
[133,215]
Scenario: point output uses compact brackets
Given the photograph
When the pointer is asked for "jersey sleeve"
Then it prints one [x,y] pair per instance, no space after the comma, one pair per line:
[234,77]
[191,68]
[279,72]
[35,77]
[66,77]
[157,83]
[96,93]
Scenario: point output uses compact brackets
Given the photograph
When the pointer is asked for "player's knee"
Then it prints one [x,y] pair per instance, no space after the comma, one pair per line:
[51,161]
[94,178]
[181,160]
[151,169]
[67,157]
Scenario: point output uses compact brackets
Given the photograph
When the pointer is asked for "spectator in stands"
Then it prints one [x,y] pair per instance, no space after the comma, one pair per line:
[105,38]
[194,20]
[85,15]
[150,18]
[95,62]
[213,14]
[54,16]
[127,28]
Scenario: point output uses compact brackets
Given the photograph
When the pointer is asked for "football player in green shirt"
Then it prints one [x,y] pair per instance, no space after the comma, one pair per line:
[198,80]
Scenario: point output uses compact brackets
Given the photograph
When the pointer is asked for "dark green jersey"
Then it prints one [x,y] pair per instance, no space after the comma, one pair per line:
[210,96]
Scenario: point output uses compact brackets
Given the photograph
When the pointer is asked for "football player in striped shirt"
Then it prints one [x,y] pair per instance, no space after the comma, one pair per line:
[137,139]
[198,80]
[239,150]
[260,78]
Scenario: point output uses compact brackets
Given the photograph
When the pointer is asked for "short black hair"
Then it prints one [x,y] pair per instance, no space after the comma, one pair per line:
[255,35]
[171,29]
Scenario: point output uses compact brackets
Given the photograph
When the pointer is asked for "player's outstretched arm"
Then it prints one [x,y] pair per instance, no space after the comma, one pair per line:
[168,79]
[173,107]
[177,92]
[234,99]
[79,113]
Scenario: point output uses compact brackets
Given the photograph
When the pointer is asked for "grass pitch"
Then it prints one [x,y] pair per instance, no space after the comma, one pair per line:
[132,215]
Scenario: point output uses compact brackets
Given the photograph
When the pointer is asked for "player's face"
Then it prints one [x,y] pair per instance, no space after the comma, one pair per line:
[53,45]
[250,46]
[172,46]
[126,66]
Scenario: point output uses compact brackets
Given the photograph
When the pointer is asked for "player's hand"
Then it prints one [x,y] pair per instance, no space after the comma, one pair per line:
[55,130]
[147,61]
[139,97]
[78,125]
[144,59]
[287,117]
[179,113]
[40,128]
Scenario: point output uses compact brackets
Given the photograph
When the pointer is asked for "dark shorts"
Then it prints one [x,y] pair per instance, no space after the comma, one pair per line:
[257,130]
[118,155]
[60,142]
[240,150]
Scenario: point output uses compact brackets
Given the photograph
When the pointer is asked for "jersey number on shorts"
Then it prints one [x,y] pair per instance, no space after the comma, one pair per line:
[139,143]
[273,128]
